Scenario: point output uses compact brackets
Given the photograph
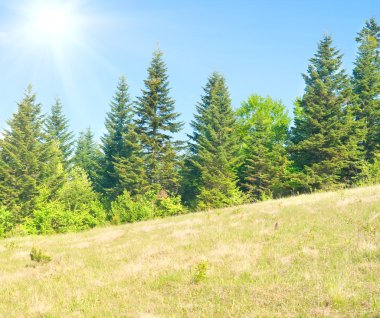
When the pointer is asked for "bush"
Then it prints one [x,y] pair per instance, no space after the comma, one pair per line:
[6,223]
[127,208]
[38,256]
[214,198]
[131,209]
[371,172]
[166,205]
[75,207]
[200,272]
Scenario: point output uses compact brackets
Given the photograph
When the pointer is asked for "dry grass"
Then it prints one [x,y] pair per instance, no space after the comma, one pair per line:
[306,256]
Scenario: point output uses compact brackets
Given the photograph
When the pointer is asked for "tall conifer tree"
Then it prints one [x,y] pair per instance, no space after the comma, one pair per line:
[130,168]
[23,158]
[214,148]
[156,123]
[57,131]
[366,85]
[87,156]
[325,137]
[114,146]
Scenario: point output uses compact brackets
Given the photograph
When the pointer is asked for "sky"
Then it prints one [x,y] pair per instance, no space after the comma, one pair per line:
[76,50]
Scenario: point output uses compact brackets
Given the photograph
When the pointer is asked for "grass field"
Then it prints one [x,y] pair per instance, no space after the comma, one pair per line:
[308,256]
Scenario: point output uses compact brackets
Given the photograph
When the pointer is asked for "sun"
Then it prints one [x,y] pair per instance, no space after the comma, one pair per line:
[52,23]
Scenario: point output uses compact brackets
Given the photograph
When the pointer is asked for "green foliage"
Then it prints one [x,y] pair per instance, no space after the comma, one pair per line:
[371,171]
[76,207]
[6,222]
[200,272]
[22,158]
[366,85]
[325,141]
[54,169]
[166,205]
[263,126]
[88,156]
[214,149]
[232,157]
[156,123]
[115,145]
[37,255]
[127,208]
[131,209]
[57,131]
[130,169]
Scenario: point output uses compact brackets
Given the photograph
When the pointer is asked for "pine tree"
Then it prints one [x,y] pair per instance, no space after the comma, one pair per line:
[156,123]
[263,127]
[87,156]
[325,137]
[114,146]
[23,158]
[366,85]
[214,148]
[57,130]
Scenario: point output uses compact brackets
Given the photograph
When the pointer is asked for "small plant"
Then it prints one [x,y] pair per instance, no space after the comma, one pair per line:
[11,245]
[200,272]
[38,256]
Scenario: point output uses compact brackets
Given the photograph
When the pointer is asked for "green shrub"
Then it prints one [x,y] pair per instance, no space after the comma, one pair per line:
[200,272]
[166,206]
[38,256]
[131,209]
[214,198]
[6,222]
[371,172]
[127,208]
[75,207]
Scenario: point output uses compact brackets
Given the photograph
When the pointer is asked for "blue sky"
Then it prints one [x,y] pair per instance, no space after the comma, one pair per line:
[260,46]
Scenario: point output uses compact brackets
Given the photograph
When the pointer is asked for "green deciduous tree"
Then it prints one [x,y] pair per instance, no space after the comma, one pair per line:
[325,136]
[156,123]
[74,207]
[366,85]
[214,148]
[263,125]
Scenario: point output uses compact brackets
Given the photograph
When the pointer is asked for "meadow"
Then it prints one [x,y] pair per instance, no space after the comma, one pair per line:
[307,256]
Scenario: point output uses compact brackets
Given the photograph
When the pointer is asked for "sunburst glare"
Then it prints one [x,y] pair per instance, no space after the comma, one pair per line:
[56,24]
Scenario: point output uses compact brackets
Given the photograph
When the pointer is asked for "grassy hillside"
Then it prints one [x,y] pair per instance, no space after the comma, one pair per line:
[307,256]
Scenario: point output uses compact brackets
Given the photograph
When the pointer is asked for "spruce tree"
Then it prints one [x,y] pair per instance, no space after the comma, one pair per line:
[57,130]
[214,148]
[23,158]
[190,174]
[87,156]
[325,139]
[366,85]
[114,146]
[263,125]
[156,123]
[130,168]
[55,172]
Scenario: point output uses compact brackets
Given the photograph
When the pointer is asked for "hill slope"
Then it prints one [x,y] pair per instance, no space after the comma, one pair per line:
[315,255]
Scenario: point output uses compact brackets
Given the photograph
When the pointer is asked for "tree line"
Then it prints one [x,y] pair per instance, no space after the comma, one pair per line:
[50,182]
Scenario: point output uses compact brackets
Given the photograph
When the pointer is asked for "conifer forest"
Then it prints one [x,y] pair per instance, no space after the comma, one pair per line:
[54,181]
